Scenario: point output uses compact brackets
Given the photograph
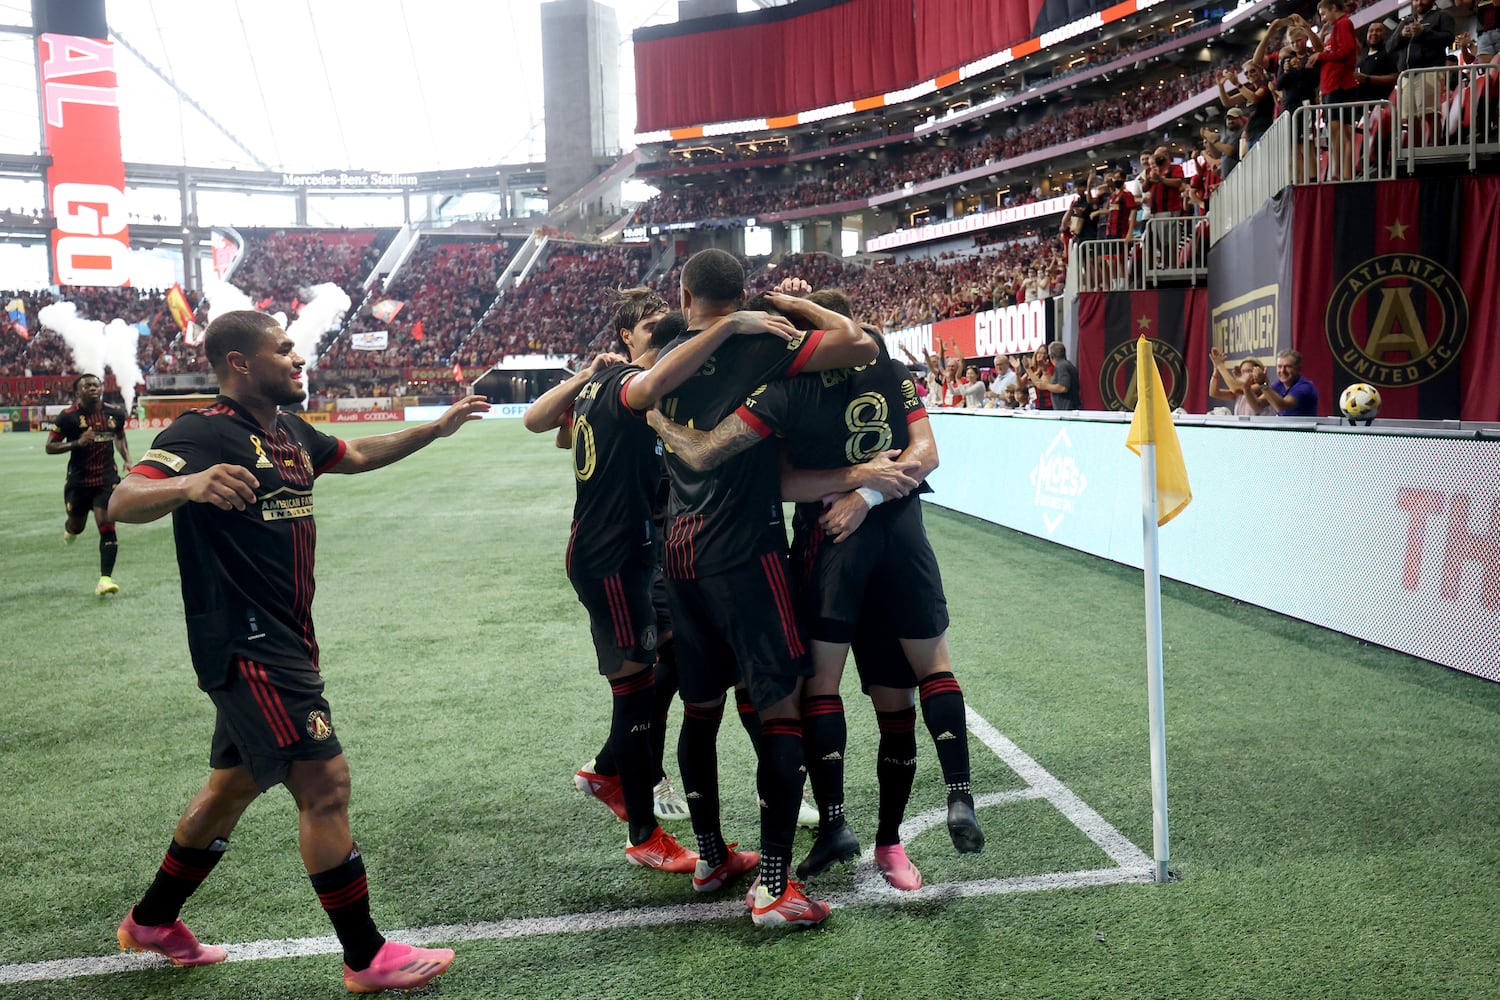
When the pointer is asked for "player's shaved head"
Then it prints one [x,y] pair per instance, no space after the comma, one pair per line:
[714,277]
[242,330]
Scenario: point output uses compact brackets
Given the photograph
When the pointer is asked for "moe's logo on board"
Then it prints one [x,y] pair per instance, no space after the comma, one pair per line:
[1398,319]
[1117,375]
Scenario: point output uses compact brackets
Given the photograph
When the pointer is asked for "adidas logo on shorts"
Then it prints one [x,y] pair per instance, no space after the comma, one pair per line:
[946,734]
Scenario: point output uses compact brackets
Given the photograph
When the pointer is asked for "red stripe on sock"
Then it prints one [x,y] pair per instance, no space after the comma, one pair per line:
[940,685]
[336,899]
[712,713]
[190,873]
[642,681]
[823,704]
[904,721]
[782,727]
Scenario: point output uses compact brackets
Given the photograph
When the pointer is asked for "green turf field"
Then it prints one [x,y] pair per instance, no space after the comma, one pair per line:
[1335,807]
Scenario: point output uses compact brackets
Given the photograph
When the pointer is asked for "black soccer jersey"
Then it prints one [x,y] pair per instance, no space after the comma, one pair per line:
[719,519]
[247,575]
[93,464]
[838,418]
[617,473]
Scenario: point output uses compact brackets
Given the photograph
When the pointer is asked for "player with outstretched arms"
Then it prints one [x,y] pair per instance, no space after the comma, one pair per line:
[237,479]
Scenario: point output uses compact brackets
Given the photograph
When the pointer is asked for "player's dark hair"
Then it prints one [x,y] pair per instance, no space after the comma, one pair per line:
[79,380]
[668,328]
[834,300]
[714,277]
[241,330]
[633,305]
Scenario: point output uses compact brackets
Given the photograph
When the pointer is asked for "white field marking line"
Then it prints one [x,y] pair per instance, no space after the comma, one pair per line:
[870,888]
[1111,841]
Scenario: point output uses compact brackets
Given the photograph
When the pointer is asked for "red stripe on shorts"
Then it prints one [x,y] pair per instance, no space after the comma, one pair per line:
[269,700]
[619,611]
[776,577]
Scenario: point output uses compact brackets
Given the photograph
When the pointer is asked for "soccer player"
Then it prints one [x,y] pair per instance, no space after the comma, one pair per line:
[90,433]
[611,560]
[237,478]
[725,563]
[843,421]
[636,315]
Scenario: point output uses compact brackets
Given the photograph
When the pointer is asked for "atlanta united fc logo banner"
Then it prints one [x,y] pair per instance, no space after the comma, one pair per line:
[1395,289]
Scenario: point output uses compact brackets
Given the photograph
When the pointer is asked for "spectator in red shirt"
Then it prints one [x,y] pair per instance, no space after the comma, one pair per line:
[1337,83]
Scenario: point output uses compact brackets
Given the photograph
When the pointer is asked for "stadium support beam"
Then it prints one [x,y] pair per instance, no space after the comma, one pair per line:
[167,79]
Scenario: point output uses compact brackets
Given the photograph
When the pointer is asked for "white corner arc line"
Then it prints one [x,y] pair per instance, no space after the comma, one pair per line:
[1111,841]
[870,888]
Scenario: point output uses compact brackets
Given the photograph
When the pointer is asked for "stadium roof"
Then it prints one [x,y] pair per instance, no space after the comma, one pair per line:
[326,85]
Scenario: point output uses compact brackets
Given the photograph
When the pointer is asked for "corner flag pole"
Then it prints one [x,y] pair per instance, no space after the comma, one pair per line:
[1154,438]
[1155,686]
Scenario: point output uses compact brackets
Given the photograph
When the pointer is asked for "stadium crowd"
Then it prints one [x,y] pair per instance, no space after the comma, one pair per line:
[747,197]
[442,293]
[450,313]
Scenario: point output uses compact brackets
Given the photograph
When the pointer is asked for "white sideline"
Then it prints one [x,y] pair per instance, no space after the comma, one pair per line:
[870,888]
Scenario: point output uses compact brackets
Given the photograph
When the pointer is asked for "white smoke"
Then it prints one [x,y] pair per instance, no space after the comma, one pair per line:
[121,343]
[96,346]
[324,310]
[326,306]
[223,297]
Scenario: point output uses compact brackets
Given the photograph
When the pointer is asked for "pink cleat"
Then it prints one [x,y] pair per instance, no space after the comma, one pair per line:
[173,940]
[897,868]
[399,967]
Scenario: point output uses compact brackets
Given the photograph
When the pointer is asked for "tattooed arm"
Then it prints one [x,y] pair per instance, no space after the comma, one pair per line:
[704,450]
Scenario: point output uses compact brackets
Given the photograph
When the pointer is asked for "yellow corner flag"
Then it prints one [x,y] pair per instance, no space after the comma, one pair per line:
[1152,424]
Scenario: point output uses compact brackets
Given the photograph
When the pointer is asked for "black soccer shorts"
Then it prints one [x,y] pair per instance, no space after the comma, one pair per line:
[621,618]
[269,717]
[878,656]
[888,554]
[739,625]
[82,499]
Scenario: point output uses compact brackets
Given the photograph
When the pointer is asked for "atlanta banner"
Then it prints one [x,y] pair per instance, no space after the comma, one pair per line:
[1395,287]
[1176,319]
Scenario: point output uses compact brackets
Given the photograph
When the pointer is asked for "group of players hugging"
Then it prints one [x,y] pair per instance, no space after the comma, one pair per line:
[679,552]
[690,587]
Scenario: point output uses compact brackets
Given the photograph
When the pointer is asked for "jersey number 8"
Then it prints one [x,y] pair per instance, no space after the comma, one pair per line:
[868,418]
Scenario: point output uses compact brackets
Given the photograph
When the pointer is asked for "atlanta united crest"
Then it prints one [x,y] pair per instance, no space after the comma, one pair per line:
[319,726]
[1397,320]
[1117,375]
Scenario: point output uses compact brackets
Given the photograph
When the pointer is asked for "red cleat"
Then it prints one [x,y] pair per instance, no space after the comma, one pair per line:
[662,852]
[737,863]
[604,787]
[790,909]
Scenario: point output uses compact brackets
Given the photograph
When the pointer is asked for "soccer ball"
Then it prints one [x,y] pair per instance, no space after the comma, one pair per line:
[1360,401]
